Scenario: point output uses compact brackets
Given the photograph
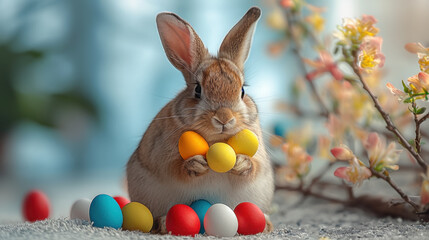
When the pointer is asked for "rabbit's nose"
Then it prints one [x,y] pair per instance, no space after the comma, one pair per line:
[224,118]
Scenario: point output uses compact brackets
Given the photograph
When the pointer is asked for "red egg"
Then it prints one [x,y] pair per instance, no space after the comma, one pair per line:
[36,206]
[122,201]
[182,220]
[251,219]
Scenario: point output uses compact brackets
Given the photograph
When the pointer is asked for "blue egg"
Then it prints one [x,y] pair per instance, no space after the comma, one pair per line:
[201,207]
[105,212]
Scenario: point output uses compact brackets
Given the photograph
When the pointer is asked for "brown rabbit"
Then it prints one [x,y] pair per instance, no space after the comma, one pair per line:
[214,105]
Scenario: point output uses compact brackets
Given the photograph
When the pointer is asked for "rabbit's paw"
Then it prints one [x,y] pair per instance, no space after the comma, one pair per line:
[268,225]
[159,226]
[196,166]
[243,165]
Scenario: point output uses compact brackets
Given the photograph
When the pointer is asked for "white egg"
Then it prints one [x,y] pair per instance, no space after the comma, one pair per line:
[220,221]
[80,209]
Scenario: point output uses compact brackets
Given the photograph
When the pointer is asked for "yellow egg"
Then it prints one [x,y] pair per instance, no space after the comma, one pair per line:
[221,157]
[137,217]
[244,142]
[191,144]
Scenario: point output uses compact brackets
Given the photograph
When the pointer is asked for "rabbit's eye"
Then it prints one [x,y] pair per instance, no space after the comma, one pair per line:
[198,91]
[242,92]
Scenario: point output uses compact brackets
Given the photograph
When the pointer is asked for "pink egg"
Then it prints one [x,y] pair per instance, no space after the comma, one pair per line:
[36,206]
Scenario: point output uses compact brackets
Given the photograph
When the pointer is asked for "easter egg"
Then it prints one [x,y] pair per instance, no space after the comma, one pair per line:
[251,219]
[122,201]
[182,220]
[221,157]
[80,209]
[191,144]
[137,217]
[220,221]
[201,207]
[36,206]
[104,211]
[244,142]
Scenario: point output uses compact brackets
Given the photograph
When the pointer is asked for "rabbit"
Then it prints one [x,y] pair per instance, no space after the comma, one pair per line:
[213,104]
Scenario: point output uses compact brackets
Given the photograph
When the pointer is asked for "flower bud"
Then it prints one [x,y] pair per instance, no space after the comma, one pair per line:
[342,153]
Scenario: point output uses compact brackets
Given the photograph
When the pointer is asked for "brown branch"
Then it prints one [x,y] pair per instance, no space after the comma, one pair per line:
[397,189]
[372,204]
[390,126]
[319,176]
[297,51]
[311,193]
[381,208]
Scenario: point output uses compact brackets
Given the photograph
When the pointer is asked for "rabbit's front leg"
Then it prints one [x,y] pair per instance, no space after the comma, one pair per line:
[269,227]
[159,226]
[243,165]
[196,166]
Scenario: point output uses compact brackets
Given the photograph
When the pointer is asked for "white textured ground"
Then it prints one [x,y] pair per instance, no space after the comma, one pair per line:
[310,220]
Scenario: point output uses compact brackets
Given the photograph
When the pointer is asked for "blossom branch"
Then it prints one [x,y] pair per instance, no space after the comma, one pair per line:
[390,126]
[319,176]
[396,188]
[297,51]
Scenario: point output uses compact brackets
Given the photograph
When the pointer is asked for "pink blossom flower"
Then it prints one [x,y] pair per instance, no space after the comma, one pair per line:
[419,83]
[368,20]
[418,87]
[396,92]
[422,53]
[355,173]
[417,48]
[298,161]
[354,30]
[370,55]
[322,65]
[380,155]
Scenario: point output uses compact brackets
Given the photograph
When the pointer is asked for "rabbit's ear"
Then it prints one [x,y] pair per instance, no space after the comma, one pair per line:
[183,47]
[236,45]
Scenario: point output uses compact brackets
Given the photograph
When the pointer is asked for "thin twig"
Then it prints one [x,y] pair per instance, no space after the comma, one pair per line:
[311,193]
[319,176]
[397,189]
[390,126]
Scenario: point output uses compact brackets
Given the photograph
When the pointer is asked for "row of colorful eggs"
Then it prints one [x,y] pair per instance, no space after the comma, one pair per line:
[118,212]
[183,220]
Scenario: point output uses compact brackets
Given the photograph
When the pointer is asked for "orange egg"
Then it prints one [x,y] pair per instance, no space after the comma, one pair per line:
[191,144]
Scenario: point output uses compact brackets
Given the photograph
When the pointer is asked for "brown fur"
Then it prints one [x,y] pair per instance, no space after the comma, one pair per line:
[236,38]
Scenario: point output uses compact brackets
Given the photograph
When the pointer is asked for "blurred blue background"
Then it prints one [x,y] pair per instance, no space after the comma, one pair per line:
[81,80]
